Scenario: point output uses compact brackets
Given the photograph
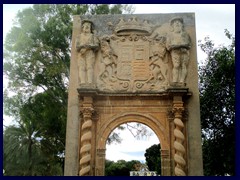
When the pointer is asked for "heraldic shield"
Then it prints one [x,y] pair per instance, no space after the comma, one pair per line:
[133,61]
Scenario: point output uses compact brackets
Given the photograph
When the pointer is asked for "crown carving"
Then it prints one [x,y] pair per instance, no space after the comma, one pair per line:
[133,25]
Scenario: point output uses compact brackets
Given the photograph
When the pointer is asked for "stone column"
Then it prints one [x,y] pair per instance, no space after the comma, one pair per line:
[179,156]
[165,163]
[86,137]
[71,164]
[100,169]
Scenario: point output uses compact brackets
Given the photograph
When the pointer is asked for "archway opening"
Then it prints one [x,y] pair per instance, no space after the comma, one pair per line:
[132,146]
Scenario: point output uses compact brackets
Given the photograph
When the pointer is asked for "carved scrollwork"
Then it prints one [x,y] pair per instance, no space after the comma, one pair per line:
[125,84]
[139,85]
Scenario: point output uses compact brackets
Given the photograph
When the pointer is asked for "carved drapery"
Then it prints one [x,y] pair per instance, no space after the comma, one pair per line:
[86,136]
[180,150]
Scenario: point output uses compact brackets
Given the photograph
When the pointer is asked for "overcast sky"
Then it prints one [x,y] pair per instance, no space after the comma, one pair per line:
[211,20]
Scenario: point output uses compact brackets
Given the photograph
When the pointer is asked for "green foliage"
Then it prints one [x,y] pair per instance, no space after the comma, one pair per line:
[110,9]
[153,158]
[23,154]
[217,98]
[121,167]
[36,64]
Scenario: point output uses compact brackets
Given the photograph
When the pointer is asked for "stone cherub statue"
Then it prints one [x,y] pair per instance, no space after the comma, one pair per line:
[86,44]
[178,44]
[109,61]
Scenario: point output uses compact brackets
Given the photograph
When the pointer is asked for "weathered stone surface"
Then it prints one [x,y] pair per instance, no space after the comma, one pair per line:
[135,53]
[134,68]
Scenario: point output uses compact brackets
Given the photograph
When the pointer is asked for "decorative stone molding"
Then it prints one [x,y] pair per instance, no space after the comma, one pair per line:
[133,25]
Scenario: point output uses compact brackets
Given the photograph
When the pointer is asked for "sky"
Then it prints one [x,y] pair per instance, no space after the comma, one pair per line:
[130,148]
[211,20]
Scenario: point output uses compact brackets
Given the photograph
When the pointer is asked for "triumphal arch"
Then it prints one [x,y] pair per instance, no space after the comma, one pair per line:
[134,68]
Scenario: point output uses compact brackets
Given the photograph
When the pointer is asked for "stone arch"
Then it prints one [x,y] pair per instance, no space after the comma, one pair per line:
[148,120]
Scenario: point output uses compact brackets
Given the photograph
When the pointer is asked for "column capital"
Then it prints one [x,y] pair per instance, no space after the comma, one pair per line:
[86,111]
[177,109]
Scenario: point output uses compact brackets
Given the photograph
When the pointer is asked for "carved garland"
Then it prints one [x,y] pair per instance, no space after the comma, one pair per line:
[85,151]
[180,150]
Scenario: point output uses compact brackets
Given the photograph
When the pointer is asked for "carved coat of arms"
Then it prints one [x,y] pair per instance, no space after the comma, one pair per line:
[134,57]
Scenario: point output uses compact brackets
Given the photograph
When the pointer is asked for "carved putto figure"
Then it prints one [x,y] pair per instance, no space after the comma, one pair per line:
[157,62]
[178,43]
[109,61]
[86,45]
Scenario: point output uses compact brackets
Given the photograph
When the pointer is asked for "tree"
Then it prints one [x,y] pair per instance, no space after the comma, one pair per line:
[36,64]
[217,98]
[23,152]
[153,158]
[120,168]
[138,131]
